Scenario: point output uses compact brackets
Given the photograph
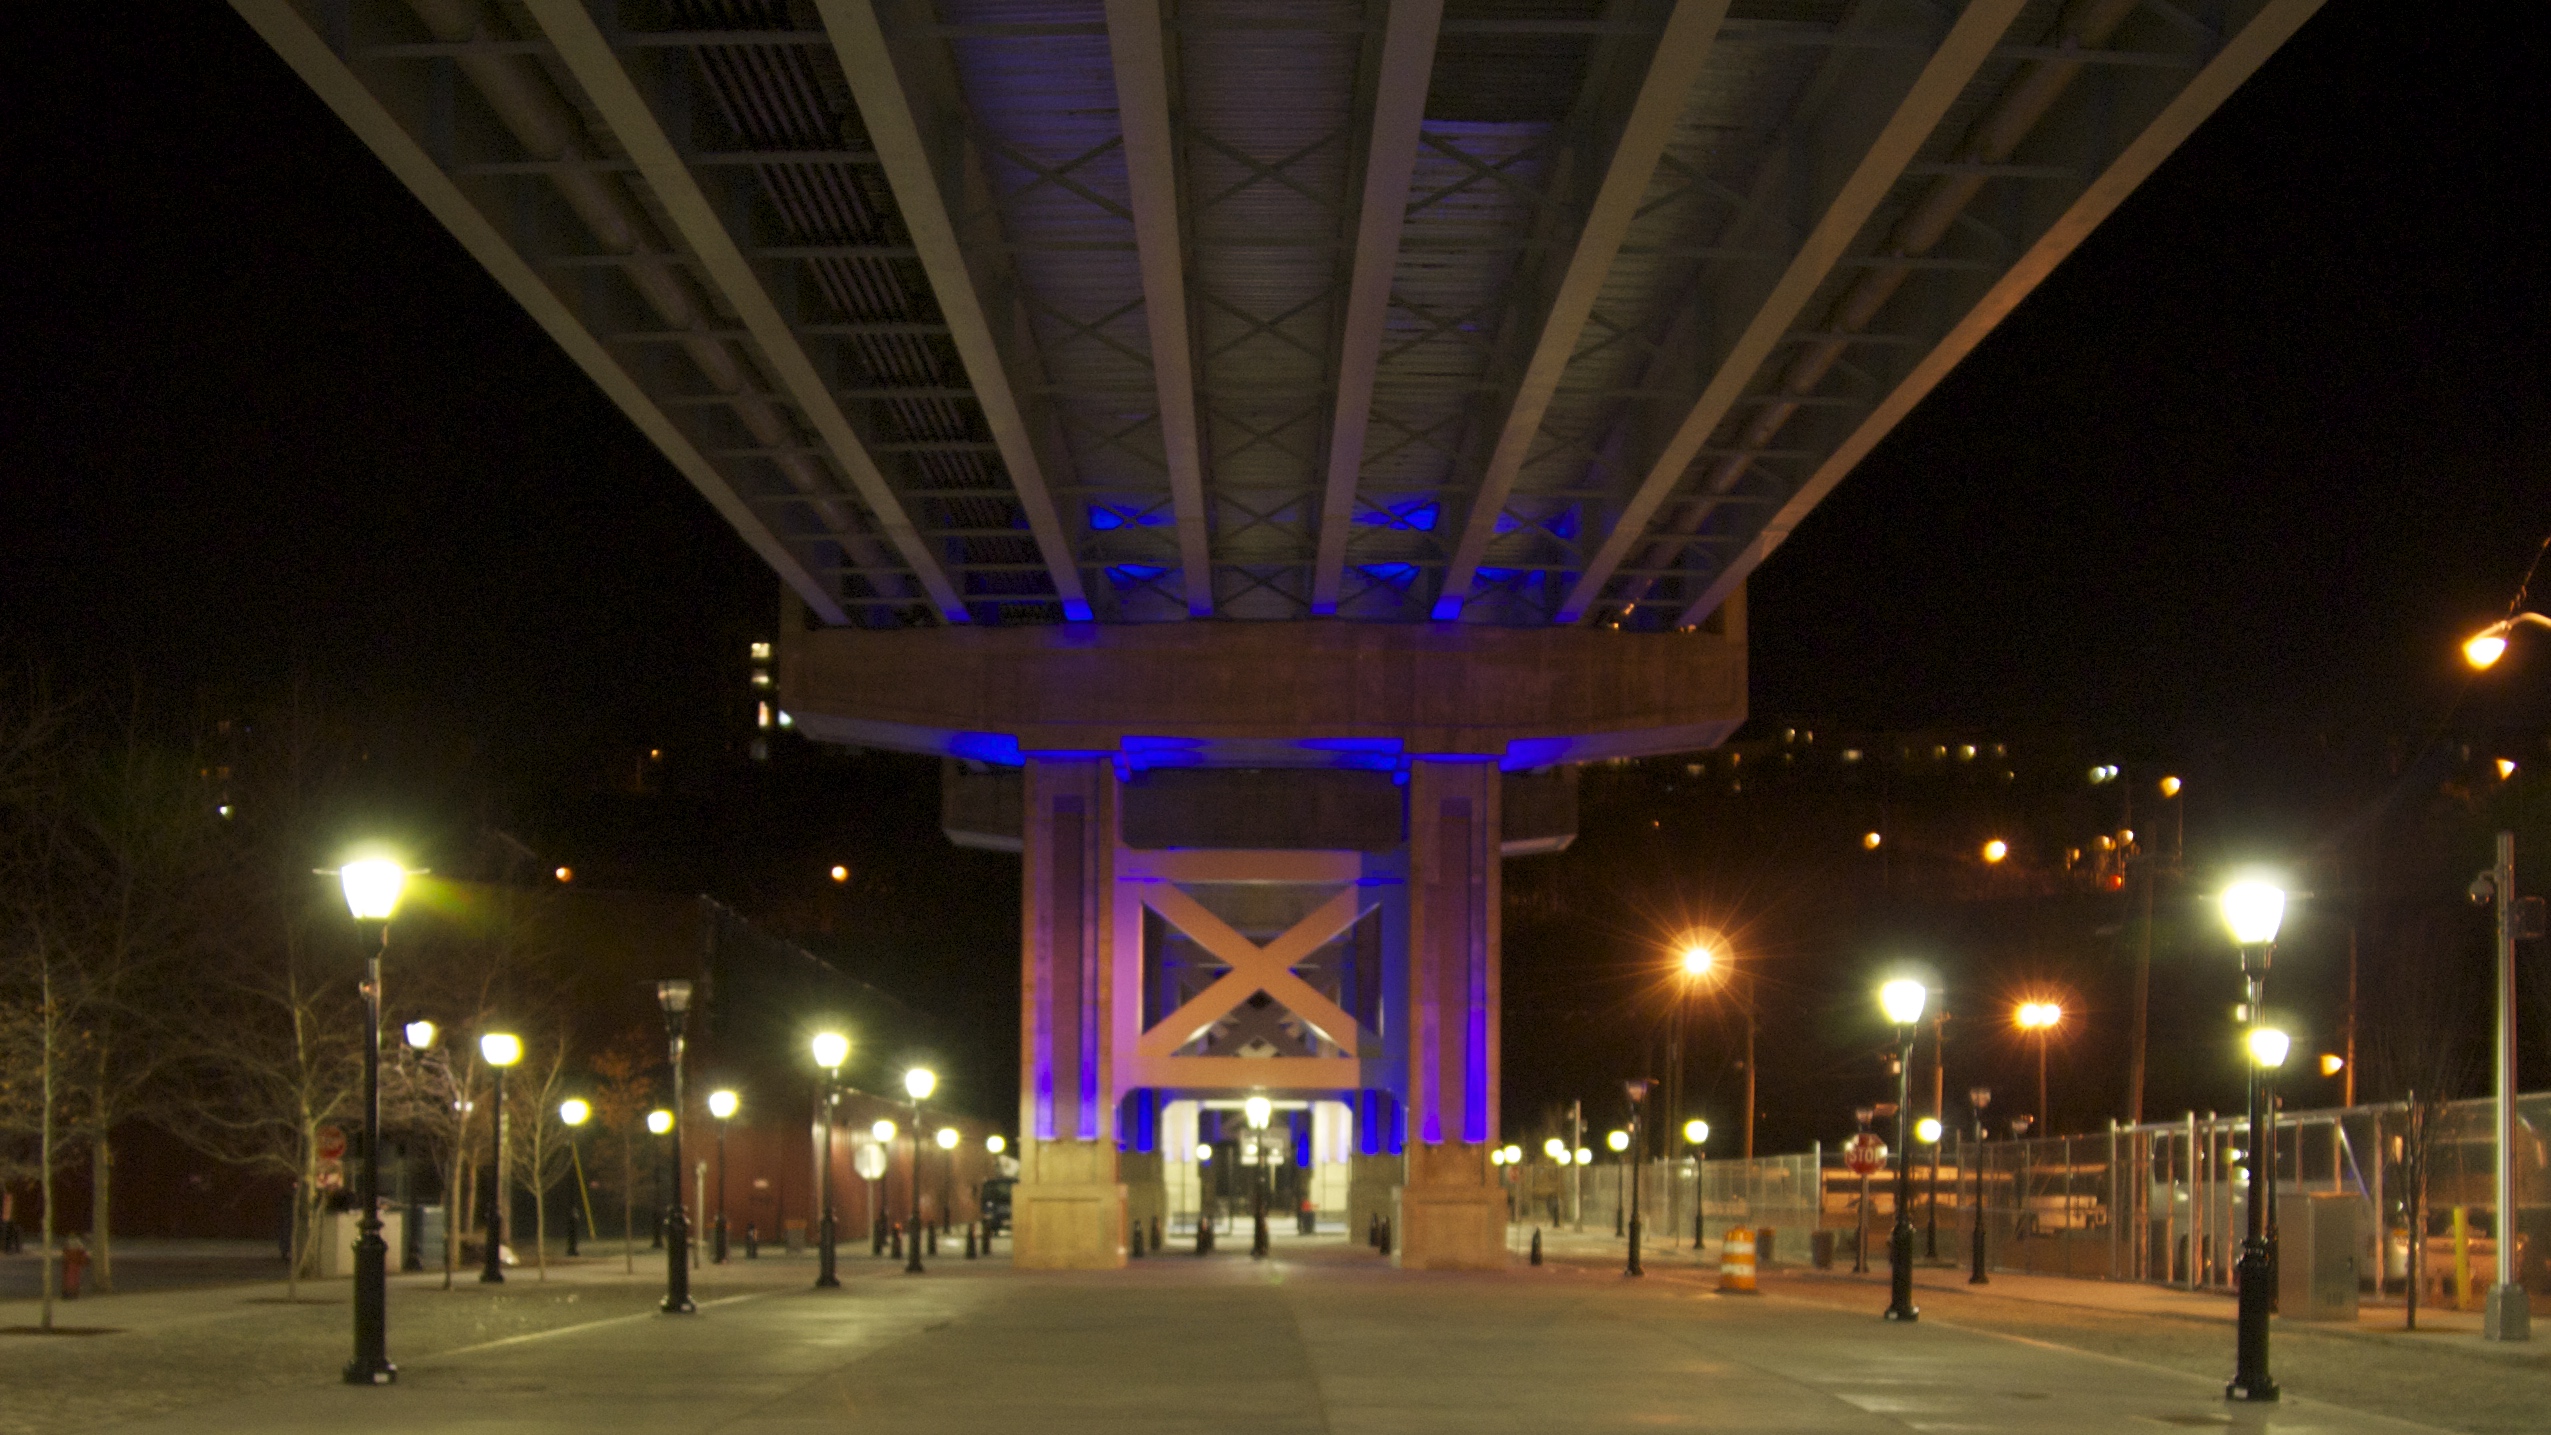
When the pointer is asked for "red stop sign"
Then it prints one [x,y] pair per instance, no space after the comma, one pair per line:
[331,1143]
[1865,1154]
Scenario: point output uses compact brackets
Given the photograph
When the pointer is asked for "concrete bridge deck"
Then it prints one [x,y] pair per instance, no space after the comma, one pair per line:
[1321,1339]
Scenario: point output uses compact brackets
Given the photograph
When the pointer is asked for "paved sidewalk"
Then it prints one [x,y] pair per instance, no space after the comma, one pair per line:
[1326,1337]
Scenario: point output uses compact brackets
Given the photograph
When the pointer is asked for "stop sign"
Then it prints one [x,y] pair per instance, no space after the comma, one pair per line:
[331,1143]
[1865,1154]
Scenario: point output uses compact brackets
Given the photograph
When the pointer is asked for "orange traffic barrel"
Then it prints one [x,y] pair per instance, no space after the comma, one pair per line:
[1736,1262]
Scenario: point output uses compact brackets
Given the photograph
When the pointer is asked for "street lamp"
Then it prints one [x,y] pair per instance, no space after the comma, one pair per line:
[995,1144]
[2040,1019]
[1259,1112]
[675,997]
[1637,1088]
[2254,909]
[1979,1097]
[372,887]
[573,1113]
[2484,648]
[1927,1131]
[831,1049]
[722,1105]
[918,1083]
[1696,1134]
[1902,1000]
[499,1049]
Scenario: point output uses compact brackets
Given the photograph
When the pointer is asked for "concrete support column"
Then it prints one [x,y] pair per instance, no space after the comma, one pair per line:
[1451,1214]
[1070,1203]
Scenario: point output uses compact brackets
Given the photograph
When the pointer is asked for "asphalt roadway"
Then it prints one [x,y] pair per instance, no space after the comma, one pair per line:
[1323,1338]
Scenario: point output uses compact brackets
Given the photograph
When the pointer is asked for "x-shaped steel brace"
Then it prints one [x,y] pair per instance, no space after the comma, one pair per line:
[1253,969]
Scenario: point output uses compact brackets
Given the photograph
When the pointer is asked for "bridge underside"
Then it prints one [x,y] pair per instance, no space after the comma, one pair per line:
[1476,350]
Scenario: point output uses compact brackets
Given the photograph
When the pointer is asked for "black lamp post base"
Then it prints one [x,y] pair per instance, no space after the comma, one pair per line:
[1908,1313]
[359,1372]
[681,1305]
[2262,1392]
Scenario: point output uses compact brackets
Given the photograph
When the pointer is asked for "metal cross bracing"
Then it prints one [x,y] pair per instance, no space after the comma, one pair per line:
[1493,311]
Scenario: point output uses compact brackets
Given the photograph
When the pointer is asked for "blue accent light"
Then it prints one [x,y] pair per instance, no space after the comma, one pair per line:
[1077,610]
[1388,572]
[1419,514]
[1526,753]
[1448,608]
[1128,575]
[1498,575]
[1302,1139]
[1000,749]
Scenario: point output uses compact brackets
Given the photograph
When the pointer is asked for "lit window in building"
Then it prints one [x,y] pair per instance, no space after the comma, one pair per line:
[761,652]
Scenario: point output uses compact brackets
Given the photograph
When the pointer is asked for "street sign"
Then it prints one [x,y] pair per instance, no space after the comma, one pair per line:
[1865,1154]
[870,1162]
[331,1143]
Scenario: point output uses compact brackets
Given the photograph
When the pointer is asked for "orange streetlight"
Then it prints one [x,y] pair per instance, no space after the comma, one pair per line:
[1996,850]
[2041,1019]
[2484,648]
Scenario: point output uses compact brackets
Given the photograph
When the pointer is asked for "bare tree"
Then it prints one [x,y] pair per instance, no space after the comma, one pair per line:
[2425,984]
[625,1085]
[542,1150]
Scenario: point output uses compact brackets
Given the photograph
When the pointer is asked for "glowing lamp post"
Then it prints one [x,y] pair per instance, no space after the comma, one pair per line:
[2254,910]
[372,888]
[2039,1019]
[499,1049]
[831,1049]
[1927,1131]
[1696,1134]
[1902,1000]
[675,998]
[722,1105]
[1637,1089]
[1259,1112]
[918,1083]
[573,1113]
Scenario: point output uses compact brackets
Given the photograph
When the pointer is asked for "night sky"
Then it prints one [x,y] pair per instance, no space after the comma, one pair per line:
[2233,480]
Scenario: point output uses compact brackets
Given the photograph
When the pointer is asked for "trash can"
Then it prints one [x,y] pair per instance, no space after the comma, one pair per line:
[1820,1247]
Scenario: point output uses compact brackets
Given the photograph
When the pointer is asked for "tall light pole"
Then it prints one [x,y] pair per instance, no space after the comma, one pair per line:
[722,1105]
[918,1083]
[1979,1097]
[1638,1088]
[2040,1019]
[1698,962]
[2507,1317]
[2254,910]
[831,1050]
[499,1049]
[675,998]
[372,887]
[1902,1000]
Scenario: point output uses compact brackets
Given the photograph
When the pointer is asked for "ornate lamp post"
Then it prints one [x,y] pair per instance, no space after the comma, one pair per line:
[1637,1088]
[722,1105]
[675,998]
[499,1049]
[1696,1134]
[918,1083]
[372,888]
[573,1113]
[1979,1097]
[1902,1000]
[831,1050]
[2254,910]
[1259,1111]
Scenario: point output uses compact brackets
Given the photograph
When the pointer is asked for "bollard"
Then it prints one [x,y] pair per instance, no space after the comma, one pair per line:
[1536,1245]
[1736,1262]
[1134,1247]
[877,1237]
[894,1240]
[969,1240]
[1386,1238]
[1204,1235]
[1155,1233]
[1373,1232]
[752,1241]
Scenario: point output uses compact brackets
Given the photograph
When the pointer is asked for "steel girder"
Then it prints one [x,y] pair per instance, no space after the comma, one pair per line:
[1504,311]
